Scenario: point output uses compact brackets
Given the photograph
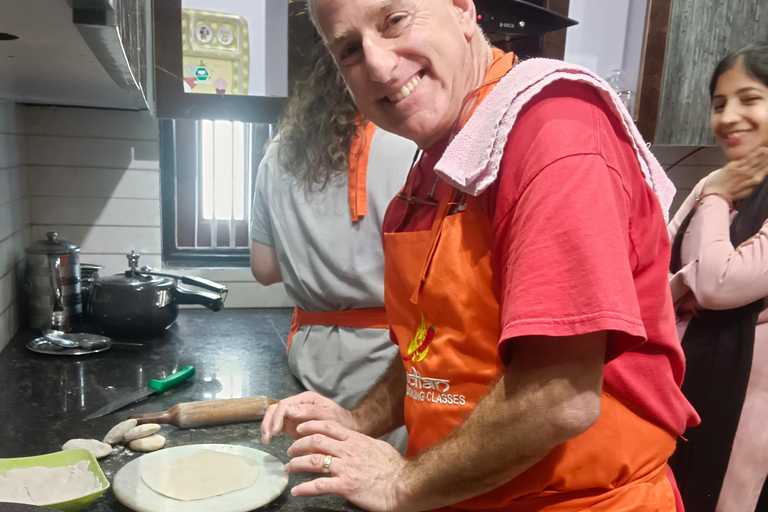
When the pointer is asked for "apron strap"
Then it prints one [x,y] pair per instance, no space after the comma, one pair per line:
[447,193]
[370,318]
[358,170]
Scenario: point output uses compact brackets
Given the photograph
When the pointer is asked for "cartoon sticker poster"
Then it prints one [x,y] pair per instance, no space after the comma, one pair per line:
[216,52]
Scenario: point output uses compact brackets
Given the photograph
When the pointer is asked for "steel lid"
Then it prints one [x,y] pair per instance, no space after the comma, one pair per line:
[131,280]
[52,245]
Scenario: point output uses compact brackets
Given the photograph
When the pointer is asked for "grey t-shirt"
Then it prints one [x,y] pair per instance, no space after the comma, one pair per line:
[329,263]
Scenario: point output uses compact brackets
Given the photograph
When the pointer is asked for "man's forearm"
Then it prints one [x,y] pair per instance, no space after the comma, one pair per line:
[380,410]
[546,397]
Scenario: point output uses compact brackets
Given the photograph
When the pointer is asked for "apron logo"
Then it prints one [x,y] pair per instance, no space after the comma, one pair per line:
[419,346]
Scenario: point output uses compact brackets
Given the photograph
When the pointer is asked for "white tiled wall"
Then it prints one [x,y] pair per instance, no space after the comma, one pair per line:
[689,171]
[14,217]
[94,178]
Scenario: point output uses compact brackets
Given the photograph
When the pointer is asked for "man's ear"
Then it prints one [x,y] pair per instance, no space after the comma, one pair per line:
[467,17]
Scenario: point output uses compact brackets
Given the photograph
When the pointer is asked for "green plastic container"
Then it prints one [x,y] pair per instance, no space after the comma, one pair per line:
[58,459]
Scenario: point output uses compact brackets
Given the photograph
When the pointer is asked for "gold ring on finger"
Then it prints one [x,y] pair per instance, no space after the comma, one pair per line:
[327,464]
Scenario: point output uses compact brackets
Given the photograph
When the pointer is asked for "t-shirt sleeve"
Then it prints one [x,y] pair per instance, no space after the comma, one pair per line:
[261,225]
[563,250]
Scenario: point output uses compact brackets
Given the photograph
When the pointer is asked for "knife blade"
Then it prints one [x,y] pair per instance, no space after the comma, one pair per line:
[153,386]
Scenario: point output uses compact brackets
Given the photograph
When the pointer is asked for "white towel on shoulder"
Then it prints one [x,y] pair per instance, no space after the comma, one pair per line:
[471,161]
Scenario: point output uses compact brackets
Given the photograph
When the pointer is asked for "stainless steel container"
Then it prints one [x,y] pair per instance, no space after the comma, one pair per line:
[52,283]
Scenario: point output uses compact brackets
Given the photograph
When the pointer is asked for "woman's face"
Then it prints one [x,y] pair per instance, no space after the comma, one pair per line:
[740,113]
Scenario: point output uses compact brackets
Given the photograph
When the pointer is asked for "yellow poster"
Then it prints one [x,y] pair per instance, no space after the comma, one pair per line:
[216,52]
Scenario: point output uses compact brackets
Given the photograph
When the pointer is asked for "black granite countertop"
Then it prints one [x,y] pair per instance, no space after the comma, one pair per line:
[237,353]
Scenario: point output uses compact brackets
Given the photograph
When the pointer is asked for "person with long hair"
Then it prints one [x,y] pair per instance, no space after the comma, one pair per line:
[719,285]
[320,196]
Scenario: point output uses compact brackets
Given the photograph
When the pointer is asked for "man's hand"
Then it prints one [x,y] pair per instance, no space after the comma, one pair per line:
[285,416]
[363,470]
[739,178]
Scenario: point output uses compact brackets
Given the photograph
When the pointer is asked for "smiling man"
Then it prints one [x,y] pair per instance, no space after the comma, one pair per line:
[539,366]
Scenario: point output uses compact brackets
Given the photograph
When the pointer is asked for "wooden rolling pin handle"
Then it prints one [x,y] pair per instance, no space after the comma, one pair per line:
[216,412]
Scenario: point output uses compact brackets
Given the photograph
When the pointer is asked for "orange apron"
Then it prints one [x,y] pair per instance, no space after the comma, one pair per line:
[374,318]
[442,303]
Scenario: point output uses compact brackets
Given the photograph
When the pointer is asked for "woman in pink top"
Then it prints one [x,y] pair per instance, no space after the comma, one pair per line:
[719,285]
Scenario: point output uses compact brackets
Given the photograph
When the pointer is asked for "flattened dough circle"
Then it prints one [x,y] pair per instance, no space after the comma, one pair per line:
[204,474]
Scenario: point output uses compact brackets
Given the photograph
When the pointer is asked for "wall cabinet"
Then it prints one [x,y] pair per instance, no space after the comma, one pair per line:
[684,41]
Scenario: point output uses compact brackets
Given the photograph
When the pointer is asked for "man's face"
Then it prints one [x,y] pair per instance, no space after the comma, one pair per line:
[407,63]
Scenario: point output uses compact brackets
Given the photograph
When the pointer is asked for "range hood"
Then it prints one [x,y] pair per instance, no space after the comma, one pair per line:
[119,34]
[518,18]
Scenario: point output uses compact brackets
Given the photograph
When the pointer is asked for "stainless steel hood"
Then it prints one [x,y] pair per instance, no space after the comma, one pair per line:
[50,63]
[119,34]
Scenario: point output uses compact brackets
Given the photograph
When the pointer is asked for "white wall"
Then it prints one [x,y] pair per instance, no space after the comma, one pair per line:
[609,36]
[14,217]
[94,178]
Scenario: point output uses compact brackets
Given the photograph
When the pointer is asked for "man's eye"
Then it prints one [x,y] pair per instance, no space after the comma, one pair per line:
[348,52]
[395,20]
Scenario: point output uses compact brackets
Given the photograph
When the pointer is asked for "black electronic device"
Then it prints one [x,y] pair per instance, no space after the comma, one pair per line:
[518,18]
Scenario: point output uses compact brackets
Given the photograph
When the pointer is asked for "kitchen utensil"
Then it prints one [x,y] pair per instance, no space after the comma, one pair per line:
[84,340]
[43,345]
[153,386]
[215,412]
[52,283]
[55,460]
[131,491]
[143,302]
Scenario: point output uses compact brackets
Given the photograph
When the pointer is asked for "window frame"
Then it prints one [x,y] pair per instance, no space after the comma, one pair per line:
[172,255]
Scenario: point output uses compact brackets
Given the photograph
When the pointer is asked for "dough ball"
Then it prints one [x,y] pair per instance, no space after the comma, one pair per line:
[147,444]
[97,448]
[117,433]
[140,431]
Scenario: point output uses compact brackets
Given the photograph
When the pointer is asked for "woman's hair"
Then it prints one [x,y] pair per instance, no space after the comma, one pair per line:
[318,124]
[754,58]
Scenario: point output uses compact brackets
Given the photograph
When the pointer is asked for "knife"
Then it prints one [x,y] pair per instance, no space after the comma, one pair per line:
[153,386]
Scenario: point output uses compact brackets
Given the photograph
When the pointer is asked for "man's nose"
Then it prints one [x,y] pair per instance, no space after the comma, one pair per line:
[380,59]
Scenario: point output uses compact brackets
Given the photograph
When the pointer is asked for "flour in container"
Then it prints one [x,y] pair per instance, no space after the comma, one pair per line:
[45,486]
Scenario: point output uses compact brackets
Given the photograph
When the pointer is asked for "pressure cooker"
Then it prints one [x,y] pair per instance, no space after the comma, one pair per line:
[141,303]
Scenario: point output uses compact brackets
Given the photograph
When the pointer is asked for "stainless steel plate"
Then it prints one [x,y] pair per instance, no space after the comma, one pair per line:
[44,346]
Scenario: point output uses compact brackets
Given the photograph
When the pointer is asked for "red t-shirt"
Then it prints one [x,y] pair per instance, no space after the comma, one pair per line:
[579,244]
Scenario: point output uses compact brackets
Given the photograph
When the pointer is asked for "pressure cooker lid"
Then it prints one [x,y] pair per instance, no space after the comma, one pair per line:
[131,280]
[52,246]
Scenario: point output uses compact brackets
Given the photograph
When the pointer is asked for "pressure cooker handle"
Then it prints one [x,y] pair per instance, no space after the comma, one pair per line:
[205,284]
[212,301]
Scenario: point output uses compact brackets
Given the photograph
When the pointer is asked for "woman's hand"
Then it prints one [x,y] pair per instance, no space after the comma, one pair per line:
[739,177]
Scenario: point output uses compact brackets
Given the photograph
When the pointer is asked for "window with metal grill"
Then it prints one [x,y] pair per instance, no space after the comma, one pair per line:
[208,171]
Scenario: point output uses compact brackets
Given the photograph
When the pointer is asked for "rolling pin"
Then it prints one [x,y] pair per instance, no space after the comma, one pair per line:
[216,412]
